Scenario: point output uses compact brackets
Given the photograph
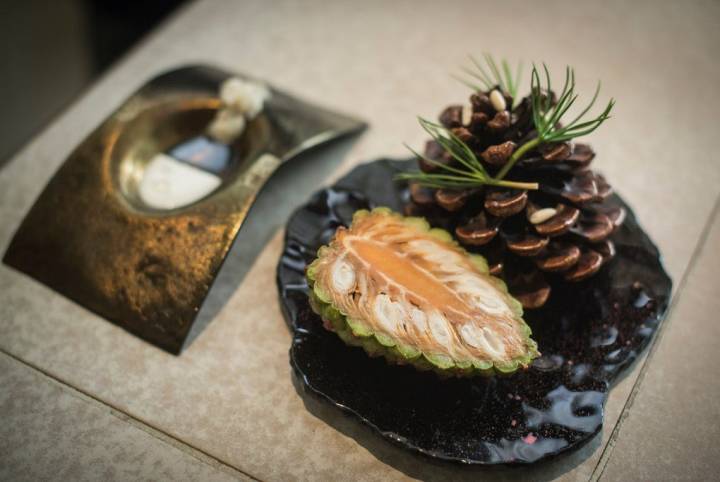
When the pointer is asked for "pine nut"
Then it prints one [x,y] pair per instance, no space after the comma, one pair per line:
[542,215]
[498,101]
[466,115]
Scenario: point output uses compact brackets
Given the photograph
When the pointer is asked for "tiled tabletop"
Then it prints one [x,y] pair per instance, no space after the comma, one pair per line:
[82,399]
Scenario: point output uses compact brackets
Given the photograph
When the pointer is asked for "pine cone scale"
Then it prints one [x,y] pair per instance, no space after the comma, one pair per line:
[594,229]
[588,264]
[527,245]
[560,257]
[565,217]
[505,203]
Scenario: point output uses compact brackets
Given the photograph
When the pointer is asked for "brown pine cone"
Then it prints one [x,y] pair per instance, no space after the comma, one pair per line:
[561,230]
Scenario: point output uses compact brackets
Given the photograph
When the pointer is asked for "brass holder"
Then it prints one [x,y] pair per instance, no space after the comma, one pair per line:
[90,236]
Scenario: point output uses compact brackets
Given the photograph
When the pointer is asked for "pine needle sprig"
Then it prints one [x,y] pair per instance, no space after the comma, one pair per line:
[471,173]
[548,115]
[502,78]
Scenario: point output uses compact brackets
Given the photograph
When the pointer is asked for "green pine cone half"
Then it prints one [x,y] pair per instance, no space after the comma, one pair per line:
[399,289]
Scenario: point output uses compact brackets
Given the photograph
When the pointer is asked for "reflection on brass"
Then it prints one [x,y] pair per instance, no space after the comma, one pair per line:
[90,237]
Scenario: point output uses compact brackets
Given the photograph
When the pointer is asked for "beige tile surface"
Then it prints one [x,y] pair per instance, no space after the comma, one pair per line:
[231,394]
[49,432]
[671,430]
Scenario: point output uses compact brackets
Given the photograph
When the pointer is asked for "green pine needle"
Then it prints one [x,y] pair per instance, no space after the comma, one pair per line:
[547,119]
[548,115]
[471,173]
[499,75]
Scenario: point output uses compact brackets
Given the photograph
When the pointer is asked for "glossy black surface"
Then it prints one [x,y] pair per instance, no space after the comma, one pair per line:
[588,333]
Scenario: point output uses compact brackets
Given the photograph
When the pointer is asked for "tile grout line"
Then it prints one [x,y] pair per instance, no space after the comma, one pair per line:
[699,247]
[159,434]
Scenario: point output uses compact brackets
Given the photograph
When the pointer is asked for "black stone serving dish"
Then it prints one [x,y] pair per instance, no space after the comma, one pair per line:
[588,333]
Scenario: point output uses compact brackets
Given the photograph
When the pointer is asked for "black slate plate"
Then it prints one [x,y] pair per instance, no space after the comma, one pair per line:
[588,333]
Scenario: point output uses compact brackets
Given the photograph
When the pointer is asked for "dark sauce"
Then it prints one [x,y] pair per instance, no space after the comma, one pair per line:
[588,333]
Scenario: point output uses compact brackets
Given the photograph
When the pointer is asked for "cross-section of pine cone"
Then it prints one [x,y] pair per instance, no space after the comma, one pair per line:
[561,230]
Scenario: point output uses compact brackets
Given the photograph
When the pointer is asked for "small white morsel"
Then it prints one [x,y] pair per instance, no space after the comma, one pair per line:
[466,115]
[492,304]
[483,295]
[494,344]
[498,100]
[488,298]
[343,276]
[483,339]
[231,88]
[471,335]
[388,313]
[418,319]
[168,183]
[227,126]
[446,261]
[439,329]
[542,215]
[244,96]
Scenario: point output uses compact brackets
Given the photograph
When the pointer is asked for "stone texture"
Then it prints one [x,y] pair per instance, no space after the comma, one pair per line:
[231,394]
[49,432]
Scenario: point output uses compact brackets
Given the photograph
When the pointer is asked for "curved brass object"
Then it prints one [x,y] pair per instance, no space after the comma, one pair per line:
[90,236]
